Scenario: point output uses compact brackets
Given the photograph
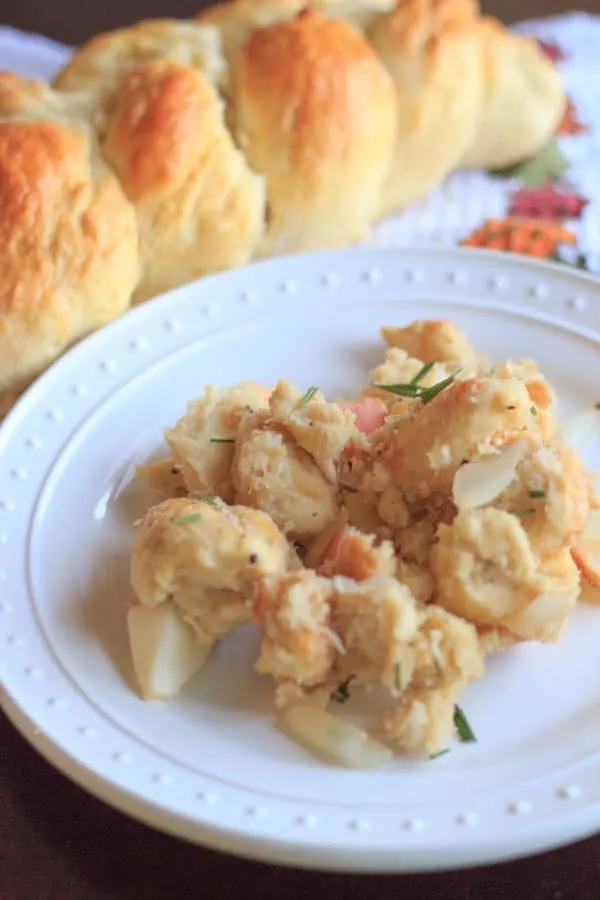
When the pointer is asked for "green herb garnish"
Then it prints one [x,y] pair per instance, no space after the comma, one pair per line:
[415,391]
[597,405]
[429,393]
[423,372]
[521,513]
[183,520]
[401,390]
[537,495]
[218,440]
[398,677]
[308,396]
[461,723]
[441,753]
[342,692]
[534,411]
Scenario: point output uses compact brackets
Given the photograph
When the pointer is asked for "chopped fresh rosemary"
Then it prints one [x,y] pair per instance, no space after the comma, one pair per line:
[537,495]
[308,395]
[597,405]
[441,753]
[218,440]
[342,692]
[521,513]
[401,390]
[423,372]
[183,520]
[461,723]
[414,390]
[429,393]
[398,677]
[534,411]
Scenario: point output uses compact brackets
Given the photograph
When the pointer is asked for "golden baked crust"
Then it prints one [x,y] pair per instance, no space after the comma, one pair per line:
[237,19]
[199,207]
[68,241]
[103,62]
[523,99]
[432,50]
[315,111]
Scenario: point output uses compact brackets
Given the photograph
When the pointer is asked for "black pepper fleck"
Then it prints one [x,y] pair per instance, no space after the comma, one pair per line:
[253,558]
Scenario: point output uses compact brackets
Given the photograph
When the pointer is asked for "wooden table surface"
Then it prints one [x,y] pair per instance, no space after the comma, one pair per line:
[57,843]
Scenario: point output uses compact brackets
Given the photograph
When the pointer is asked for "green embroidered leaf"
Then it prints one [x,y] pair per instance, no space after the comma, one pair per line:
[546,167]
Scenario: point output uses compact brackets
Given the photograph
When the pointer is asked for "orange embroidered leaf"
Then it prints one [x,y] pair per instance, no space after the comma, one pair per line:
[532,237]
[570,124]
[547,203]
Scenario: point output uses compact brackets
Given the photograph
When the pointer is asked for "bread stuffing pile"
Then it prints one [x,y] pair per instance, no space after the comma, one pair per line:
[386,543]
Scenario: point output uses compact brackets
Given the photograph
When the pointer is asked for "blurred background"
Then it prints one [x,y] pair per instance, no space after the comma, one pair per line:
[72,21]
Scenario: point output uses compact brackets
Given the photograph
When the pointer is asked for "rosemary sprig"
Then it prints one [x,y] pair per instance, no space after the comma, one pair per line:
[184,520]
[401,390]
[423,372]
[441,753]
[461,723]
[415,391]
[398,677]
[342,692]
[220,440]
[429,393]
[534,411]
[308,396]
[521,513]
[537,495]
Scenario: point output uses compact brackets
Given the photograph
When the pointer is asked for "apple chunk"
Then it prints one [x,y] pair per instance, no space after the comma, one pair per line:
[586,553]
[165,650]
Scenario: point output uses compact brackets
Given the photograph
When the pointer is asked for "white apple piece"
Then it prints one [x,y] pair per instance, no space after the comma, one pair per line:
[478,483]
[165,650]
[335,740]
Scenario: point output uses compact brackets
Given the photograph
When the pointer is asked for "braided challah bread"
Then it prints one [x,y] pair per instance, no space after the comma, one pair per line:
[523,99]
[315,111]
[68,239]
[103,63]
[172,149]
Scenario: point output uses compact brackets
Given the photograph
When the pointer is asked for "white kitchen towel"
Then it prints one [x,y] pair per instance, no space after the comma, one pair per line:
[466,199]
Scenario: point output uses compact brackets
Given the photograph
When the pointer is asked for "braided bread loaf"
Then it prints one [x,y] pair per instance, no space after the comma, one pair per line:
[172,149]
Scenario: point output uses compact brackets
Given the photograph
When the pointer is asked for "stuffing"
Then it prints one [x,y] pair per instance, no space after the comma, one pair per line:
[385,545]
[202,443]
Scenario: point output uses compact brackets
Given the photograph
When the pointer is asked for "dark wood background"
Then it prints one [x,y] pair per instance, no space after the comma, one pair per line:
[73,21]
[56,843]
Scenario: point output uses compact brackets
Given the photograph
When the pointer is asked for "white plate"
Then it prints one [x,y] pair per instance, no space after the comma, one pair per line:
[211,767]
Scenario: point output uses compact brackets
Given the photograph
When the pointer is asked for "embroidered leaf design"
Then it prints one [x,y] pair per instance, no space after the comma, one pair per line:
[546,167]
[547,203]
[570,124]
[578,261]
[554,53]
[540,238]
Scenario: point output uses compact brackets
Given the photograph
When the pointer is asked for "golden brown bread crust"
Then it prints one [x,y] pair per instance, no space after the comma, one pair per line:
[199,207]
[237,19]
[103,62]
[523,99]
[433,53]
[311,104]
[68,242]
[315,111]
